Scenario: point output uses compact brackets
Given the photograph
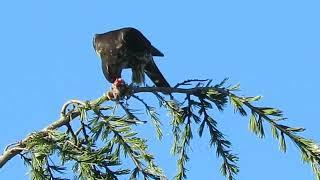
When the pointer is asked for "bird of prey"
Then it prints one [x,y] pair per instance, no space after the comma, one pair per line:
[128,48]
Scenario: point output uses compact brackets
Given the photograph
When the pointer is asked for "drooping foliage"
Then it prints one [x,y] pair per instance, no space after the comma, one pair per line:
[103,138]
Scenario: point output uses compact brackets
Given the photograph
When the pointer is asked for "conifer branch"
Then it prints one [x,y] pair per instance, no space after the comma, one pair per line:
[117,136]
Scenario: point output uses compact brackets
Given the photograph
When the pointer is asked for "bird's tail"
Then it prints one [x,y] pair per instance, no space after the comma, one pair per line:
[155,75]
[156,52]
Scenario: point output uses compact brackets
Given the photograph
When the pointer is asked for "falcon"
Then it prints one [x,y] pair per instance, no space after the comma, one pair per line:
[128,48]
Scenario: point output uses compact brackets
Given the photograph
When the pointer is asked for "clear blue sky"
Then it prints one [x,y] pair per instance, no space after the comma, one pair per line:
[271,47]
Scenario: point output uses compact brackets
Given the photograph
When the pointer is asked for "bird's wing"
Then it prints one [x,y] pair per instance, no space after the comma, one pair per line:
[137,42]
[155,75]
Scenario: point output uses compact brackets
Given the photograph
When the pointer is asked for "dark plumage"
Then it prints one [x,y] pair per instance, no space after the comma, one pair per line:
[128,48]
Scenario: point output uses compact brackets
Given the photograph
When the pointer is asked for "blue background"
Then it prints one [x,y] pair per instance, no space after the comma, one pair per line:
[271,47]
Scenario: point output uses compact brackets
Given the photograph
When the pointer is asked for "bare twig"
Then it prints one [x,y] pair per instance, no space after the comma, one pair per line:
[10,145]
[188,82]
[65,106]
[192,91]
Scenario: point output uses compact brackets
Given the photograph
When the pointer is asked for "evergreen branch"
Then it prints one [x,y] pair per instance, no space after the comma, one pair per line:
[137,144]
[73,135]
[182,150]
[151,111]
[63,120]
[228,167]
[310,151]
[92,161]
[185,138]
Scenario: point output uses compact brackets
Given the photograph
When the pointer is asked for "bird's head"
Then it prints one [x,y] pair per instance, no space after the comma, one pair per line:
[95,45]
